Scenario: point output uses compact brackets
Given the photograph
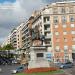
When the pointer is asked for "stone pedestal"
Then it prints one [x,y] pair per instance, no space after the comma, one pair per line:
[37,57]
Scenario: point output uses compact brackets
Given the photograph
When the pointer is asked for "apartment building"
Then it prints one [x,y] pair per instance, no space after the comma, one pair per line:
[14,38]
[63,30]
[55,25]
[26,34]
[41,34]
[56,22]
[19,36]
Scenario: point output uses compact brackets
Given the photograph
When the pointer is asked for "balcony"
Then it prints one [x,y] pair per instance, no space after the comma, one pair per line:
[47,22]
[47,30]
[48,36]
[48,43]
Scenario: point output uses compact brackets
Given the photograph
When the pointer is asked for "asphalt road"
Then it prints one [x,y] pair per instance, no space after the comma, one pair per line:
[70,71]
[6,69]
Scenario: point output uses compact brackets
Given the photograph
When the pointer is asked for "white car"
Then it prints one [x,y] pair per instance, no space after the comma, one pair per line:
[14,62]
[14,71]
[18,69]
[0,70]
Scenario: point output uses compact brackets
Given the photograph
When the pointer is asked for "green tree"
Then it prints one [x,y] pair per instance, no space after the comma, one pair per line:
[0,48]
[8,47]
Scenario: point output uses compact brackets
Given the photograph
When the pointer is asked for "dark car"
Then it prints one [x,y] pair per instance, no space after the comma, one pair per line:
[65,65]
[2,62]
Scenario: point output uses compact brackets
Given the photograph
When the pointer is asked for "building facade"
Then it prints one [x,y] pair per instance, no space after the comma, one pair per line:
[19,36]
[14,38]
[26,34]
[56,22]
[62,19]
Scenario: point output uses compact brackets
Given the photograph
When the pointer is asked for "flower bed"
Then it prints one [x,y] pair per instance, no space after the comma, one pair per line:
[35,70]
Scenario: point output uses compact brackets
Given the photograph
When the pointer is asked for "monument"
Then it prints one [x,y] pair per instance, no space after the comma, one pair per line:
[37,52]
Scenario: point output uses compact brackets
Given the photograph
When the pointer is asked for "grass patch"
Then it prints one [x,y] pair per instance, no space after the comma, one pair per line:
[43,73]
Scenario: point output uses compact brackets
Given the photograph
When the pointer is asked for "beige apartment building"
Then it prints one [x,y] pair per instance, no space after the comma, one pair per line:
[26,34]
[14,38]
[19,36]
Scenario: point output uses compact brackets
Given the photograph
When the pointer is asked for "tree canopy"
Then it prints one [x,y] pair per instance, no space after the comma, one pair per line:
[0,48]
[8,47]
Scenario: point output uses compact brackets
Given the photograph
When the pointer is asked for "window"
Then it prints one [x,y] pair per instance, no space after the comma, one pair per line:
[72,25]
[71,9]
[47,42]
[72,18]
[46,19]
[56,33]
[73,38]
[39,54]
[57,39]
[65,39]
[57,48]
[66,57]
[55,19]
[18,42]
[63,10]
[47,26]
[65,33]
[73,47]
[55,10]
[72,32]
[64,26]
[65,47]
[56,26]
[64,19]
[48,34]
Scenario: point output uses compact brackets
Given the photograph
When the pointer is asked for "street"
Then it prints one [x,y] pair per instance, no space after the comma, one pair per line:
[6,69]
[70,71]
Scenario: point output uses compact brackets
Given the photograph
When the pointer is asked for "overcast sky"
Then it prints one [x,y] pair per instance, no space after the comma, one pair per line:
[13,12]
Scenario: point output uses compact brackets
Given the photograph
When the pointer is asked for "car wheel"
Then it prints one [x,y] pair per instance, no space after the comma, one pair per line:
[63,67]
[16,71]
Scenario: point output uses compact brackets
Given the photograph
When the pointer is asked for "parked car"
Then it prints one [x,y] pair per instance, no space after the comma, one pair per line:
[18,69]
[65,65]
[0,70]
[14,62]
[2,62]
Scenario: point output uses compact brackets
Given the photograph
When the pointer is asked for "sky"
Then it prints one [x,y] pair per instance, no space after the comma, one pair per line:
[2,1]
[14,12]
